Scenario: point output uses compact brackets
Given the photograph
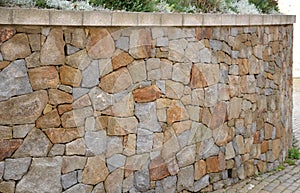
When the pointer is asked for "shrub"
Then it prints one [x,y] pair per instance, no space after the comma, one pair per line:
[266,6]
[127,5]
[293,153]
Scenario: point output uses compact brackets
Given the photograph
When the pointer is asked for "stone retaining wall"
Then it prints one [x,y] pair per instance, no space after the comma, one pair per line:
[160,108]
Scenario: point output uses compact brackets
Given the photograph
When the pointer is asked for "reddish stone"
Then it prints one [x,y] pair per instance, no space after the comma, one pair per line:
[264,146]
[200,169]
[203,33]
[64,108]
[6,33]
[8,147]
[62,135]
[219,115]
[121,59]
[158,169]
[70,76]
[176,112]
[59,97]
[212,164]
[146,94]
[197,79]
[256,137]
[49,120]
[43,77]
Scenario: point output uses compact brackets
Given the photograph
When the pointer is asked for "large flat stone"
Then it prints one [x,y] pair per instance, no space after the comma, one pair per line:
[14,80]
[43,176]
[43,77]
[95,170]
[16,168]
[23,109]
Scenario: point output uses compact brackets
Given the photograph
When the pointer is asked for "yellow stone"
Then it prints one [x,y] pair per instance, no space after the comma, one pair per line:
[47,109]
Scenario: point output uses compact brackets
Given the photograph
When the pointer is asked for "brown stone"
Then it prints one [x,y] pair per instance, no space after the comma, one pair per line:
[23,109]
[35,42]
[235,107]
[140,43]
[268,131]
[70,76]
[147,94]
[76,117]
[176,112]
[52,52]
[101,44]
[6,33]
[78,60]
[219,115]
[95,170]
[249,168]
[203,33]
[200,169]
[16,47]
[180,127]
[4,64]
[243,66]
[206,116]
[62,135]
[81,102]
[262,166]
[264,146]
[212,164]
[114,181]
[8,147]
[121,59]
[121,126]
[197,79]
[64,108]
[221,135]
[48,120]
[256,137]
[222,161]
[276,148]
[234,85]
[72,163]
[43,77]
[57,97]
[116,81]
[158,169]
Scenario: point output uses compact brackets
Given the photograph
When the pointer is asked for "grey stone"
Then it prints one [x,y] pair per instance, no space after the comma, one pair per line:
[71,49]
[202,183]
[158,187]
[207,149]
[20,131]
[99,188]
[162,41]
[36,144]
[1,57]
[57,149]
[186,179]
[115,161]
[186,156]
[176,50]
[33,60]
[215,45]
[66,88]
[238,161]
[1,169]
[142,180]
[146,113]
[211,95]
[80,188]
[100,99]
[90,75]
[78,60]
[43,176]
[105,67]
[78,92]
[137,70]
[114,145]
[205,55]
[218,185]
[230,153]
[234,70]
[157,32]
[192,51]
[234,54]
[69,179]
[181,72]
[95,142]
[14,80]
[169,184]
[123,43]
[76,147]
[144,140]
[16,168]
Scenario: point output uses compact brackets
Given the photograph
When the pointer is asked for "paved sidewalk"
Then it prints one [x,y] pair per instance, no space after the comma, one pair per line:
[285,181]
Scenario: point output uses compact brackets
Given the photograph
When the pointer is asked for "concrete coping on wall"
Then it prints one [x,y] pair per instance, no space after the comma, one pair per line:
[22,16]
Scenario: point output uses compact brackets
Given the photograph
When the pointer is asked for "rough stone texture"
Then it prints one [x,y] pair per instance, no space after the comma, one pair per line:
[122,107]
[121,59]
[16,47]
[76,147]
[76,117]
[186,179]
[6,132]
[62,135]
[140,43]
[57,97]
[158,169]
[78,60]
[72,163]
[100,99]
[69,179]
[101,44]
[35,144]
[116,161]
[8,187]
[113,182]
[51,119]
[90,75]
[95,142]
[176,112]
[43,176]
[43,77]
[70,76]
[6,33]
[122,126]
[200,169]
[8,147]
[146,113]
[55,45]
[80,188]
[146,94]
[24,109]
[14,80]
[95,170]
[16,168]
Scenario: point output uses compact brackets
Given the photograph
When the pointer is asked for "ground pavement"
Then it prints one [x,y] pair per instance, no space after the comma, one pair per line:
[284,181]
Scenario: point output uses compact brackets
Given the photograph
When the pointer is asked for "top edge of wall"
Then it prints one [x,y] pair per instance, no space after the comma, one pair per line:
[21,16]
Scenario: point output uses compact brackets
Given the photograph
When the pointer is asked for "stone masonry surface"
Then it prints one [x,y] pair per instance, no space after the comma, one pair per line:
[142,109]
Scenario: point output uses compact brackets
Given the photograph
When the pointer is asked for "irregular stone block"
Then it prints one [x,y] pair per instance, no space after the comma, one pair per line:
[121,126]
[146,113]
[95,142]
[114,181]
[6,33]
[72,163]
[146,94]
[48,120]
[43,77]
[8,147]
[158,169]
[140,43]
[70,76]
[16,168]
[62,135]
[95,170]
[90,75]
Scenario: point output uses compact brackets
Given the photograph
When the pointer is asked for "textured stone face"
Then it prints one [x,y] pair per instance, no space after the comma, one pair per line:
[95,170]
[70,76]
[23,109]
[16,47]
[140,43]
[146,94]
[14,80]
[43,77]
[6,33]
[8,147]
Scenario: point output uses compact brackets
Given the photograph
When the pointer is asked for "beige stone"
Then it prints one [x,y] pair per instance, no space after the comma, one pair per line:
[76,147]
[52,52]
[62,135]
[129,144]
[113,182]
[48,120]
[81,102]
[79,60]
[170,146]
[121,59]
[135,162]
[182,126]
[16,47]
[140,43]
[72,163]
[95,170]
[158,169]
[116,81]
[121,126]
[57,97]
[64,108]
[212,164]
[101,44]
[176,112]
[70,76]
[124,107]
[174,90]
[200,169]
[147,94]
[6,132]
[235,107]
[268,131]
[276,148]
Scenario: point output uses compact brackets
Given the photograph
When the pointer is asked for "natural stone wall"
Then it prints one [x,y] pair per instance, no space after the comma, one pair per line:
[142,109]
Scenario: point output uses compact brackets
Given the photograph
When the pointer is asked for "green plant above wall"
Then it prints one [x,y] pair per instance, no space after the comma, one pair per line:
[188,6]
